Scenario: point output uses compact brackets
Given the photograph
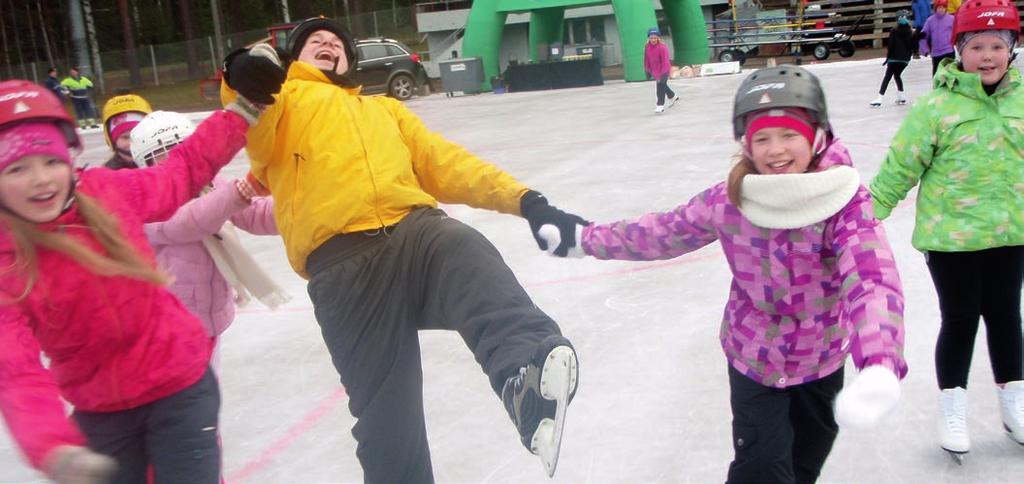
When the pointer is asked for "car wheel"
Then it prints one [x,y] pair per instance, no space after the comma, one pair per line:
[727,55]
[401,87]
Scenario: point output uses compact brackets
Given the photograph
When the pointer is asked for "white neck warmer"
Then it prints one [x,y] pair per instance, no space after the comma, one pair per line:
[797,200]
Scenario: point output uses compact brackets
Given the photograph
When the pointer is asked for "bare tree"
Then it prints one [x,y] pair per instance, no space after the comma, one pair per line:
[3,39]
[191,57]
[131,59]
[17,39]
[46,37]
[93,44]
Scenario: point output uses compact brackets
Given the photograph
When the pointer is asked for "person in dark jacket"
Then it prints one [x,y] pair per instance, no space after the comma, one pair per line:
[900,45]
[53,84]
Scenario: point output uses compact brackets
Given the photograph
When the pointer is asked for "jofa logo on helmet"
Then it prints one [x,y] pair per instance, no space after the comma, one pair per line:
[166,129]
[766,86]
[19,95]
[991,14]
[122,100]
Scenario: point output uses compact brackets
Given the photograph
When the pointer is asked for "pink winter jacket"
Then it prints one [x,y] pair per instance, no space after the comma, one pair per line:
[801,299]
[113,343]
[656,60]
[178,243]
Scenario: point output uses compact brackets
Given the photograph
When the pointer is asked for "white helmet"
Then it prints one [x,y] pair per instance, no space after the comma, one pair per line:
[157,133]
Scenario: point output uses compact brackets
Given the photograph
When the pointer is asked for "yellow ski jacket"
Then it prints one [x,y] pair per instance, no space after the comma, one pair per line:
[337,162]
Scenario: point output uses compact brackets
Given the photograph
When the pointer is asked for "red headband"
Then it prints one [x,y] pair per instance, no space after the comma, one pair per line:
[795,119]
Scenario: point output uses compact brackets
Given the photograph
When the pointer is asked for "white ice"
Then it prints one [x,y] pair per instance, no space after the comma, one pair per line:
[653,401]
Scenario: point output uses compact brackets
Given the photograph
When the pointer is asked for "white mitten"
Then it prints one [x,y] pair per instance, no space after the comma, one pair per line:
[550,233]
[871,396]
[72,464]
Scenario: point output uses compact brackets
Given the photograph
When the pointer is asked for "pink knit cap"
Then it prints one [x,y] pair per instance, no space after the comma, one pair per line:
[32,138]
[124,122]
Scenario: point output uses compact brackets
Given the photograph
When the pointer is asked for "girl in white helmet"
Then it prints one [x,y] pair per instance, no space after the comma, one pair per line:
[198,245]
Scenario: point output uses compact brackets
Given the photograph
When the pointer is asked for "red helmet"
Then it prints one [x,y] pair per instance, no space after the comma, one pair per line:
[26,101]
[977,15]
[936,3]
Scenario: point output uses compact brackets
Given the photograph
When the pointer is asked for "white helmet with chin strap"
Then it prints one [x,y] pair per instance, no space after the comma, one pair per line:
[155,135]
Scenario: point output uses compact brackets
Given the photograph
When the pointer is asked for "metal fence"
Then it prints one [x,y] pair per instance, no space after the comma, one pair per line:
[164,64]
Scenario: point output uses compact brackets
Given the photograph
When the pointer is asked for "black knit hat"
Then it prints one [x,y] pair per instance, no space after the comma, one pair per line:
[297,38]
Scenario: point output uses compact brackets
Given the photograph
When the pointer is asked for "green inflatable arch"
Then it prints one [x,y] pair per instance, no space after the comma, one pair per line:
[634,17]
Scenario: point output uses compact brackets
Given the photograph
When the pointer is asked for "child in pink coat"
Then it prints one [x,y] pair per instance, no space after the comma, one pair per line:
[198,245]
[658,65]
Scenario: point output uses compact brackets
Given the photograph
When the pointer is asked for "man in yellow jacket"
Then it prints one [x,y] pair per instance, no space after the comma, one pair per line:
[356,181]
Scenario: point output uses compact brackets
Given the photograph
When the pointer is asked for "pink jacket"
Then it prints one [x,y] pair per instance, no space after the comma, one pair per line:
[113,343]
[178,243]
[801,299]
[656,60]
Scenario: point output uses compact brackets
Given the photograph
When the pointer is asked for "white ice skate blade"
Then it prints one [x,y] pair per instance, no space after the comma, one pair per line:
[557,380]
[957,457]
[1010,434]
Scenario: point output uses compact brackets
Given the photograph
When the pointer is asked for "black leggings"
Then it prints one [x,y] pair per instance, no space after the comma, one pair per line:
[663,90]
[893,70]
[936,60]
[987,284]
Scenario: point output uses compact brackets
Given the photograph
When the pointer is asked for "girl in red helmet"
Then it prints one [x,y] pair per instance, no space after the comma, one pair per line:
[962,142]
[80,285]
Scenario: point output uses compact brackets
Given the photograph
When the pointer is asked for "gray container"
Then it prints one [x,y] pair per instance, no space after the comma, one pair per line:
[465,75]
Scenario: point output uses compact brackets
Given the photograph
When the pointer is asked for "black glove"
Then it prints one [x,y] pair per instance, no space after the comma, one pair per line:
[538,212]
[256,73]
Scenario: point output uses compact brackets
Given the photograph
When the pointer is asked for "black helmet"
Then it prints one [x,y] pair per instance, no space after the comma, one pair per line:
[297,38]
[779,87]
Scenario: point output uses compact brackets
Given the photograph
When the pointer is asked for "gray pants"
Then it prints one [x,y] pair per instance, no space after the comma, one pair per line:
[372,293]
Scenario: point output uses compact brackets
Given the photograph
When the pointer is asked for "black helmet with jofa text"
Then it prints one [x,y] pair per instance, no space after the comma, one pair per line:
[297,39]
[779,87]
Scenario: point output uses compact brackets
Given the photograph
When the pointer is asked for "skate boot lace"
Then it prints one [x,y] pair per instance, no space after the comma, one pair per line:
[955,412]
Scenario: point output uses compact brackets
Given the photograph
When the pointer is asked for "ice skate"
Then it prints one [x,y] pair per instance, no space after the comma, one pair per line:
[672,102]
[659,109]
[1011,407]
[877,102]
[901,99]
[537,398]
[953,435]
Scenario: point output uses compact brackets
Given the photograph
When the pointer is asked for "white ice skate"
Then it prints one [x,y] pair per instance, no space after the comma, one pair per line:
[877,102]
[1011,407]
[659,109]
[953,435]
[901,99]
[537,398]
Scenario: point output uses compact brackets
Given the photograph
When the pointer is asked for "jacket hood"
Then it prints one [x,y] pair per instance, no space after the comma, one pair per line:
[951,77]
[835,154]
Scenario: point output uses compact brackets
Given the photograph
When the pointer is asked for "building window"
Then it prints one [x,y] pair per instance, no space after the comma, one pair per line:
[583,31]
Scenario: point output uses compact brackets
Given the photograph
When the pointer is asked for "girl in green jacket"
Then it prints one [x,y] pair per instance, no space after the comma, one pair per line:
[963,143]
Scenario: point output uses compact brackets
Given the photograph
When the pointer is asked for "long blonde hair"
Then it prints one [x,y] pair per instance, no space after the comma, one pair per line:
[121,258]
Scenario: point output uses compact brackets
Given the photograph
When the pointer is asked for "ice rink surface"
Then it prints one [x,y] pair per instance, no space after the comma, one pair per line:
[653,399]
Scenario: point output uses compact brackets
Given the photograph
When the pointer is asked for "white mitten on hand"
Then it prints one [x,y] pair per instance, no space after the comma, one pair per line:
[550,233]
[71,464]
[871,396]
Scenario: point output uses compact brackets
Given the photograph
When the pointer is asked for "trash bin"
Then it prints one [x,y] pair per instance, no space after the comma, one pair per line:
[498,85]
[591,49]
[464,75]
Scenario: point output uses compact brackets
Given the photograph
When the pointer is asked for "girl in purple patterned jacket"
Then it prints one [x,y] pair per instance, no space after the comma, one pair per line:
[813,280]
